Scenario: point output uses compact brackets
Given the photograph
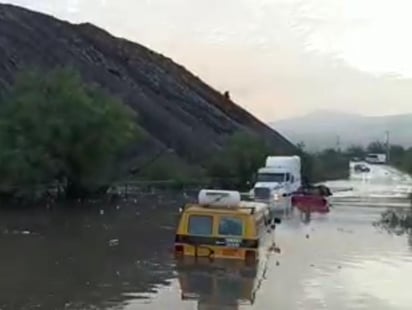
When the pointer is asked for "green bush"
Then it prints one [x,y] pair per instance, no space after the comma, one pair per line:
[239,161]
[169,167]
[329,165]
[55,128]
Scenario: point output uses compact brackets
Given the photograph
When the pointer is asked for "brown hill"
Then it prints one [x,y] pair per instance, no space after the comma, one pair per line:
[175,108]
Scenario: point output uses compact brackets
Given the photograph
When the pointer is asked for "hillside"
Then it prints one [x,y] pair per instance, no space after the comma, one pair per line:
[176,109]
[320,129]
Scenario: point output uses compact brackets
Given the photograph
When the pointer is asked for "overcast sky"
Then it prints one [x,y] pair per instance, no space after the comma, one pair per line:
[278,58]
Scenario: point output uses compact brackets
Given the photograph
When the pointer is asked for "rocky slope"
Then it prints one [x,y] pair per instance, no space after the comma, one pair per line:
[175,107]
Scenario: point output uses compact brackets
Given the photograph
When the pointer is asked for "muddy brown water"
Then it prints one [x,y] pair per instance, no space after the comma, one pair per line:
[119,257]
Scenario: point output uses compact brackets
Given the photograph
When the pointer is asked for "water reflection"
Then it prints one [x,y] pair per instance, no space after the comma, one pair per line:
[84,258]
[219,284]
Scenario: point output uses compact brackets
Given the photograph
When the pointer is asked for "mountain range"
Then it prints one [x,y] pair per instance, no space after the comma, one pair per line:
[328,128]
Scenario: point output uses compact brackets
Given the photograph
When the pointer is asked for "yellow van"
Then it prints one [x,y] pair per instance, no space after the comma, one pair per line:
[220,225]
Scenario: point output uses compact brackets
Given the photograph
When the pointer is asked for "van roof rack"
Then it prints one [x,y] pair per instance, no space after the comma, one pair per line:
[251,209]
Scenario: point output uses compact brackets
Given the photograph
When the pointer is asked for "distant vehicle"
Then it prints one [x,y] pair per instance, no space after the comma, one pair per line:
[376,158]
[361,168]
[365,169]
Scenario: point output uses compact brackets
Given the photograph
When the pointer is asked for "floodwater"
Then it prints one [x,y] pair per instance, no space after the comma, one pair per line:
[119,257]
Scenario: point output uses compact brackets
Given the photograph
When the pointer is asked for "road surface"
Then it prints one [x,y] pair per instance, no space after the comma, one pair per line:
[383,186]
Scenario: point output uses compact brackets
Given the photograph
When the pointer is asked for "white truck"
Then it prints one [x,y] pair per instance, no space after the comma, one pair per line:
[375,158]
[276,182]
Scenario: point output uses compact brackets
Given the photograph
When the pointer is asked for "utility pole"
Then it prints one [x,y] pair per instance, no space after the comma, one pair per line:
[387,145]
[338,143]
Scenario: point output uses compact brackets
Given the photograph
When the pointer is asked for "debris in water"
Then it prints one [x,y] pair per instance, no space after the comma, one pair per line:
[101,212]
[345,230]
[277,263]
[307,236]
[18,232]
[114,242]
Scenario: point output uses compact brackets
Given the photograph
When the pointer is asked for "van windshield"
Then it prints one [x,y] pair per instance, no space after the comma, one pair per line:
[230,226]
[271,177]
[200,225]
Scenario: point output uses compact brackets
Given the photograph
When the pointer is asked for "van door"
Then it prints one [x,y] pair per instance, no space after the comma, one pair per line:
[198,238]
[232,229]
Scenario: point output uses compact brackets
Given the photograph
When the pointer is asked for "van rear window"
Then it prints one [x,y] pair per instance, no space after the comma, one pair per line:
[200,225]
[230,226]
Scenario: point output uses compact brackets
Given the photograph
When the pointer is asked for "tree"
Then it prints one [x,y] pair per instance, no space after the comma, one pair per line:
[406,162]
[301,146]
[330,164]
[54,128]
[243,155]
[376,147]
[307,168]
[396,154]
[355,151]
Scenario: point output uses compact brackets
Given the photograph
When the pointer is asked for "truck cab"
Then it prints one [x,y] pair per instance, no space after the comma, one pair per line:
[277,181]
[274,187]
[274,178]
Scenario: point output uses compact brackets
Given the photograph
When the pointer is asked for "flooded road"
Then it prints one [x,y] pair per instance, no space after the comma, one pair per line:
[119,258]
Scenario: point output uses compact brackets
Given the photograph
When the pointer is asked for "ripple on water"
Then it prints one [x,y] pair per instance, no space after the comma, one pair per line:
[345,264]
[363,281]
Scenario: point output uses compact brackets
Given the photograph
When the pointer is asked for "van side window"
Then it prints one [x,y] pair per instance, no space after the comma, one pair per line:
[200,225]
[230,226]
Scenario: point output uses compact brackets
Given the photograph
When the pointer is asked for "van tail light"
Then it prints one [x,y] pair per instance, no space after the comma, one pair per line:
[250,256]
[179,249]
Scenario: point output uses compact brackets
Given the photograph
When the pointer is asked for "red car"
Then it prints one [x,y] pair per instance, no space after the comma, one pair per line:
[312,199]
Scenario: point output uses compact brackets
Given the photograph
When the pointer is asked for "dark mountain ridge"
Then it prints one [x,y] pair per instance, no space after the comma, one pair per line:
[175,108]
